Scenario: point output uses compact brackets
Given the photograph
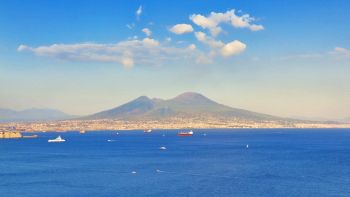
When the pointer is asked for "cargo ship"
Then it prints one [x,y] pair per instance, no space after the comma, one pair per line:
[183,133]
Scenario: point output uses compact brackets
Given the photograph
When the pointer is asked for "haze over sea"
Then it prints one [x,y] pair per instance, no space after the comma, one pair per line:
[278,162]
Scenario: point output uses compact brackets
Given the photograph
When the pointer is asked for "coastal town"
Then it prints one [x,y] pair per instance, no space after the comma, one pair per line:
[172,123]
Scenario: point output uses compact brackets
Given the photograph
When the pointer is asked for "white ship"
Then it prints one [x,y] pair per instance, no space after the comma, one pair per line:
[58,139]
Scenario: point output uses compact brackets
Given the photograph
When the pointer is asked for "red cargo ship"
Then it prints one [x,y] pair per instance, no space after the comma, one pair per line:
[190,133]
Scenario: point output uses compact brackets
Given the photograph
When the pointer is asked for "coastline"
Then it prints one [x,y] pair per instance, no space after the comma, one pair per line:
[126,125]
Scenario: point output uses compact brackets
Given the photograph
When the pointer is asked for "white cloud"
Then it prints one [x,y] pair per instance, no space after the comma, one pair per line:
[214,19]
[206,23]
[232,48]
[302,56]
[202,37]
[149,42]
[149,51]
[181,28]
[127,53]
[256,27]
[147,31]
[192,47]
[138,12]
[127,61]
[340,52]
[244,21]
[23,47]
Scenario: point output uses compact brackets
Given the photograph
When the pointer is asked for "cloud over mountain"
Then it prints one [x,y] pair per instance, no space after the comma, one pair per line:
[146,51]
[150,51]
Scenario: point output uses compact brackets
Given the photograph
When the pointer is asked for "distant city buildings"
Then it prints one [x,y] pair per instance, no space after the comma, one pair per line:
[171,123]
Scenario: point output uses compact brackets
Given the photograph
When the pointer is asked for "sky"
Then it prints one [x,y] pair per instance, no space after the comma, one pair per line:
[289,58]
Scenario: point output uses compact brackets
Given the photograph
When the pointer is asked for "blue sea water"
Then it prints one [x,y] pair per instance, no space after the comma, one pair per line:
[278,162]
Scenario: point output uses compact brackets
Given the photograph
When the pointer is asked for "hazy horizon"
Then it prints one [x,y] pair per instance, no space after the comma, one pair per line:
[287,58]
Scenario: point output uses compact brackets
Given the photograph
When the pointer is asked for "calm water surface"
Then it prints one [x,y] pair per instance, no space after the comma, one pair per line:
[278,162]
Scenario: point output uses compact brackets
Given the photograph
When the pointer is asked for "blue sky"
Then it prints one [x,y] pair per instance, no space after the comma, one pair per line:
[288,58]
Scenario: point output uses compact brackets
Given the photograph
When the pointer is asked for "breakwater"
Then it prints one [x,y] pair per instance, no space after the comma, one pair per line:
[10,134]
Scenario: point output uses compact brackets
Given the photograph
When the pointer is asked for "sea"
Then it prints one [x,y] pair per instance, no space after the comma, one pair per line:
[276,162]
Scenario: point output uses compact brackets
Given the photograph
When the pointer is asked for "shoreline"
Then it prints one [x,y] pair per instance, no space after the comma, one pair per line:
[161,124]
[196,129]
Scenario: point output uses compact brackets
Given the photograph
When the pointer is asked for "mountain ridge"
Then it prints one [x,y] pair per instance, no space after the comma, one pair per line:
[188,104]
[32,114]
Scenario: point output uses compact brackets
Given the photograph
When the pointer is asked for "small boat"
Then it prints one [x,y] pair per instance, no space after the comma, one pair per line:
[147,131]
[133,172]
[30,136]
[183,133]
[82,131]
[247,146]
[162,148]
[58,139]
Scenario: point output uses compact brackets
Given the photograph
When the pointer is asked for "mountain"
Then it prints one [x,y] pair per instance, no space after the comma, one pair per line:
[34,114]
[189,104]
[346,120]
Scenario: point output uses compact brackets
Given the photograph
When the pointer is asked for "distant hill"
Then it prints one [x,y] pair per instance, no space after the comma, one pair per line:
[346,120]
[34,114]
[188,104]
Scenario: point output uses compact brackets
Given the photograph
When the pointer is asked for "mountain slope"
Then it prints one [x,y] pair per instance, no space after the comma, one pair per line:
[34,114]
[136,107]
[188,104]
[346,120]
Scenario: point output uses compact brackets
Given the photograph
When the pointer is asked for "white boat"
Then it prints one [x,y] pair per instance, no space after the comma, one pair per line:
[162,148]
[58,139]
[247,146]
[147,131]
